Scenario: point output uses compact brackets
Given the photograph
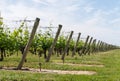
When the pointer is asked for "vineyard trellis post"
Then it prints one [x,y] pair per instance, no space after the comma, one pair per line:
[97,46]
[93,46]
[89,46]
[105,46]
[67,45]
[53,44]
[75,46]
[85,45]
[100,46]
[29,43]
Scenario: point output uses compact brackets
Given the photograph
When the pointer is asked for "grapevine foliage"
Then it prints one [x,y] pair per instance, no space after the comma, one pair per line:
[13,41]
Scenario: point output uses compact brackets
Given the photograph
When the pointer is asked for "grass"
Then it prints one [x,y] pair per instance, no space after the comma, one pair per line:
[110,71]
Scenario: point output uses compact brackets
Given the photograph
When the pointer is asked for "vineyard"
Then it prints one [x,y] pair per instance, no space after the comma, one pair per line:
[46,45]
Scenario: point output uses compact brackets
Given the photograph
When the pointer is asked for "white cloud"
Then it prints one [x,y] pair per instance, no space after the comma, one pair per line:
[66,13]
[46,2]
[41,2]
[72,8]
[88,9]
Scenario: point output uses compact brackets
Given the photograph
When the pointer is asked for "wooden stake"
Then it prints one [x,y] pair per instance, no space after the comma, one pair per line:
[53,44]
[29,43]
[75,46]
[67,45]
[85,45]
[89,46]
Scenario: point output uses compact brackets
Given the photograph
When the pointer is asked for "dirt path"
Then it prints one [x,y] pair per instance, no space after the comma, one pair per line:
[87,65]
[50,71]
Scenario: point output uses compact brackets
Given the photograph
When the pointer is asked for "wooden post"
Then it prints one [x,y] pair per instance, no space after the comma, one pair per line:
[85,45]
[89,46]
[53,44]
[105,46]
[29,43]
[93,46]
[40,65]
[97,50]
[100,46]
[75,46]
[67,45]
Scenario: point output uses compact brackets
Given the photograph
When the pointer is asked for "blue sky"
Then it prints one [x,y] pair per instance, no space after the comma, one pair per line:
[97,18]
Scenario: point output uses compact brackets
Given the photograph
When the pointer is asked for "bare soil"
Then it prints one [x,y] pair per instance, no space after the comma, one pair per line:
[32,70]
[87,65]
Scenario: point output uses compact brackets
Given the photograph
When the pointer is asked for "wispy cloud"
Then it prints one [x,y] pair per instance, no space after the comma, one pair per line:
[86,16]
[46,2]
